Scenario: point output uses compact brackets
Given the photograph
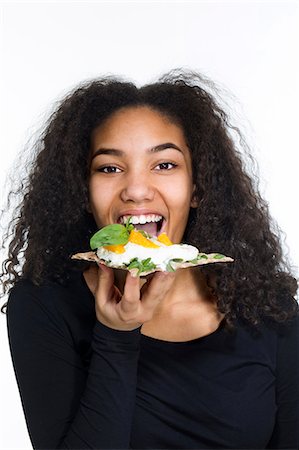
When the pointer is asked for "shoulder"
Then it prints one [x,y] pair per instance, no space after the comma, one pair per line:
[25,293]
[30,305]
[284,330]
[49,321]
[48,303]
[286,337]
[269,337]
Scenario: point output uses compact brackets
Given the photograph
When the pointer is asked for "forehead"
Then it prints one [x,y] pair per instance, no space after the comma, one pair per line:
[138,125]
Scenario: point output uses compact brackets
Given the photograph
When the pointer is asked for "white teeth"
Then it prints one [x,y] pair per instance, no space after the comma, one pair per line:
[141,219]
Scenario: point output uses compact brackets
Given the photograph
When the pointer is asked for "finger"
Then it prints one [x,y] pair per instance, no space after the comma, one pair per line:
[130,301]
[145,282]
[105,283]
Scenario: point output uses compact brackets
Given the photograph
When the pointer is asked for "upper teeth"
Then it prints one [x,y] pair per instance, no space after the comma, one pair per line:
[141,219]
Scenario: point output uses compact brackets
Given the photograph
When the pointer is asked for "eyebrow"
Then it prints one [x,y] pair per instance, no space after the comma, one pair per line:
[116,152]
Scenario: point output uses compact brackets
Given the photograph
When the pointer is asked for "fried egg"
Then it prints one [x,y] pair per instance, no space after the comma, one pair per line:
[159,256]
[143,254]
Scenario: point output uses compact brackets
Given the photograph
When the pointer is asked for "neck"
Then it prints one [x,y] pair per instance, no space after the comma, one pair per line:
[189,286]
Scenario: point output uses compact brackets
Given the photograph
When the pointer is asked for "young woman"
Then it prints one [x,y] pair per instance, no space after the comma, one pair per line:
[205,357]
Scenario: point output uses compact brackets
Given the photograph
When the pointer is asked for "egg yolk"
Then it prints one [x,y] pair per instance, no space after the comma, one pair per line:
[137,238]
[164,239]
[115,248]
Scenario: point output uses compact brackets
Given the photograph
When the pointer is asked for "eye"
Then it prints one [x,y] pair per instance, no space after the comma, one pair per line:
[108,169]
[166,166]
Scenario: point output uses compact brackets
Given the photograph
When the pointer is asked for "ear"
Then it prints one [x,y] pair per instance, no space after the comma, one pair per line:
[194,199]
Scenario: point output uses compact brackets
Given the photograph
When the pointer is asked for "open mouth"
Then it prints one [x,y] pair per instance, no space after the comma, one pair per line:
[150,223]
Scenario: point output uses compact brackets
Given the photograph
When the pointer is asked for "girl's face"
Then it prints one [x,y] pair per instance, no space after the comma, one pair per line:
[141,167]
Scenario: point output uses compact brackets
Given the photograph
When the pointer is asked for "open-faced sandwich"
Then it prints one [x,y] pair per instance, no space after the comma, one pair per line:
[125,247]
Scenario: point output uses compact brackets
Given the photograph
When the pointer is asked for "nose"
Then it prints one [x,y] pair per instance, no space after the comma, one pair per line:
[137,189]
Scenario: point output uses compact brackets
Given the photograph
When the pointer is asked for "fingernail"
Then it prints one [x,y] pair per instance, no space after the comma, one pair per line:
[102,267]
[133,273]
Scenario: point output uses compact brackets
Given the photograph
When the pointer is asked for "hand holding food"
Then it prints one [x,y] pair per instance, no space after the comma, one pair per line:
[128,310]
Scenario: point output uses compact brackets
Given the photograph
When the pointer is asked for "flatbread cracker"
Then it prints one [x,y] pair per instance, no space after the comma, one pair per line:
[125,247]
[203,258]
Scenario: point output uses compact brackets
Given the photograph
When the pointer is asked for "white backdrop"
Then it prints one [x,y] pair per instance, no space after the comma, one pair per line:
[250,48]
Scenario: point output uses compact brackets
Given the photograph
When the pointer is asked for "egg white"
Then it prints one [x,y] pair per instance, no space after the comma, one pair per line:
[159,256]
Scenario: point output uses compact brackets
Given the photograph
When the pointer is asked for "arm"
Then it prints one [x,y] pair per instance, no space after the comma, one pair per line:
[65,404]
[286,431]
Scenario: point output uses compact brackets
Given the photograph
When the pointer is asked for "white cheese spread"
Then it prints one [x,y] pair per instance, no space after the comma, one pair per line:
[159,256]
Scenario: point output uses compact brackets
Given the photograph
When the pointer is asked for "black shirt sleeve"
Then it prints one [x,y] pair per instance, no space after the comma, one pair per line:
[67,405]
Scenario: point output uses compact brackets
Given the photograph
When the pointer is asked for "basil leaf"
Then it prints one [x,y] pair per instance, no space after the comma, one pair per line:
[143,266]
[147,265]
[129,226]
[134,264]
[115,234]
[193,261]
[146,261]
[169,267]
[202,256]
[144,233]
[218,256]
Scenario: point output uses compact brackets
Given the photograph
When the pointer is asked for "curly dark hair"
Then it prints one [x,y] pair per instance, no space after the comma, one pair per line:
[53,220]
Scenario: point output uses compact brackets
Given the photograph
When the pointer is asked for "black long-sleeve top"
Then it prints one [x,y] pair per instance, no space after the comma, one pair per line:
[84,385]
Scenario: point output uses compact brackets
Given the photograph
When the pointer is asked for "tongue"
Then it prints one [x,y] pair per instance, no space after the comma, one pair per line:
[150,227]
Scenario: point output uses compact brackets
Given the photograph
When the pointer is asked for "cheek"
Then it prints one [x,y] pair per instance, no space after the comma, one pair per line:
[99,199]
[180,195]
[94,193]
[179,207]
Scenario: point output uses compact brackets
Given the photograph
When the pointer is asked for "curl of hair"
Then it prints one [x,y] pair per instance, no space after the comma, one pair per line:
[53,221]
